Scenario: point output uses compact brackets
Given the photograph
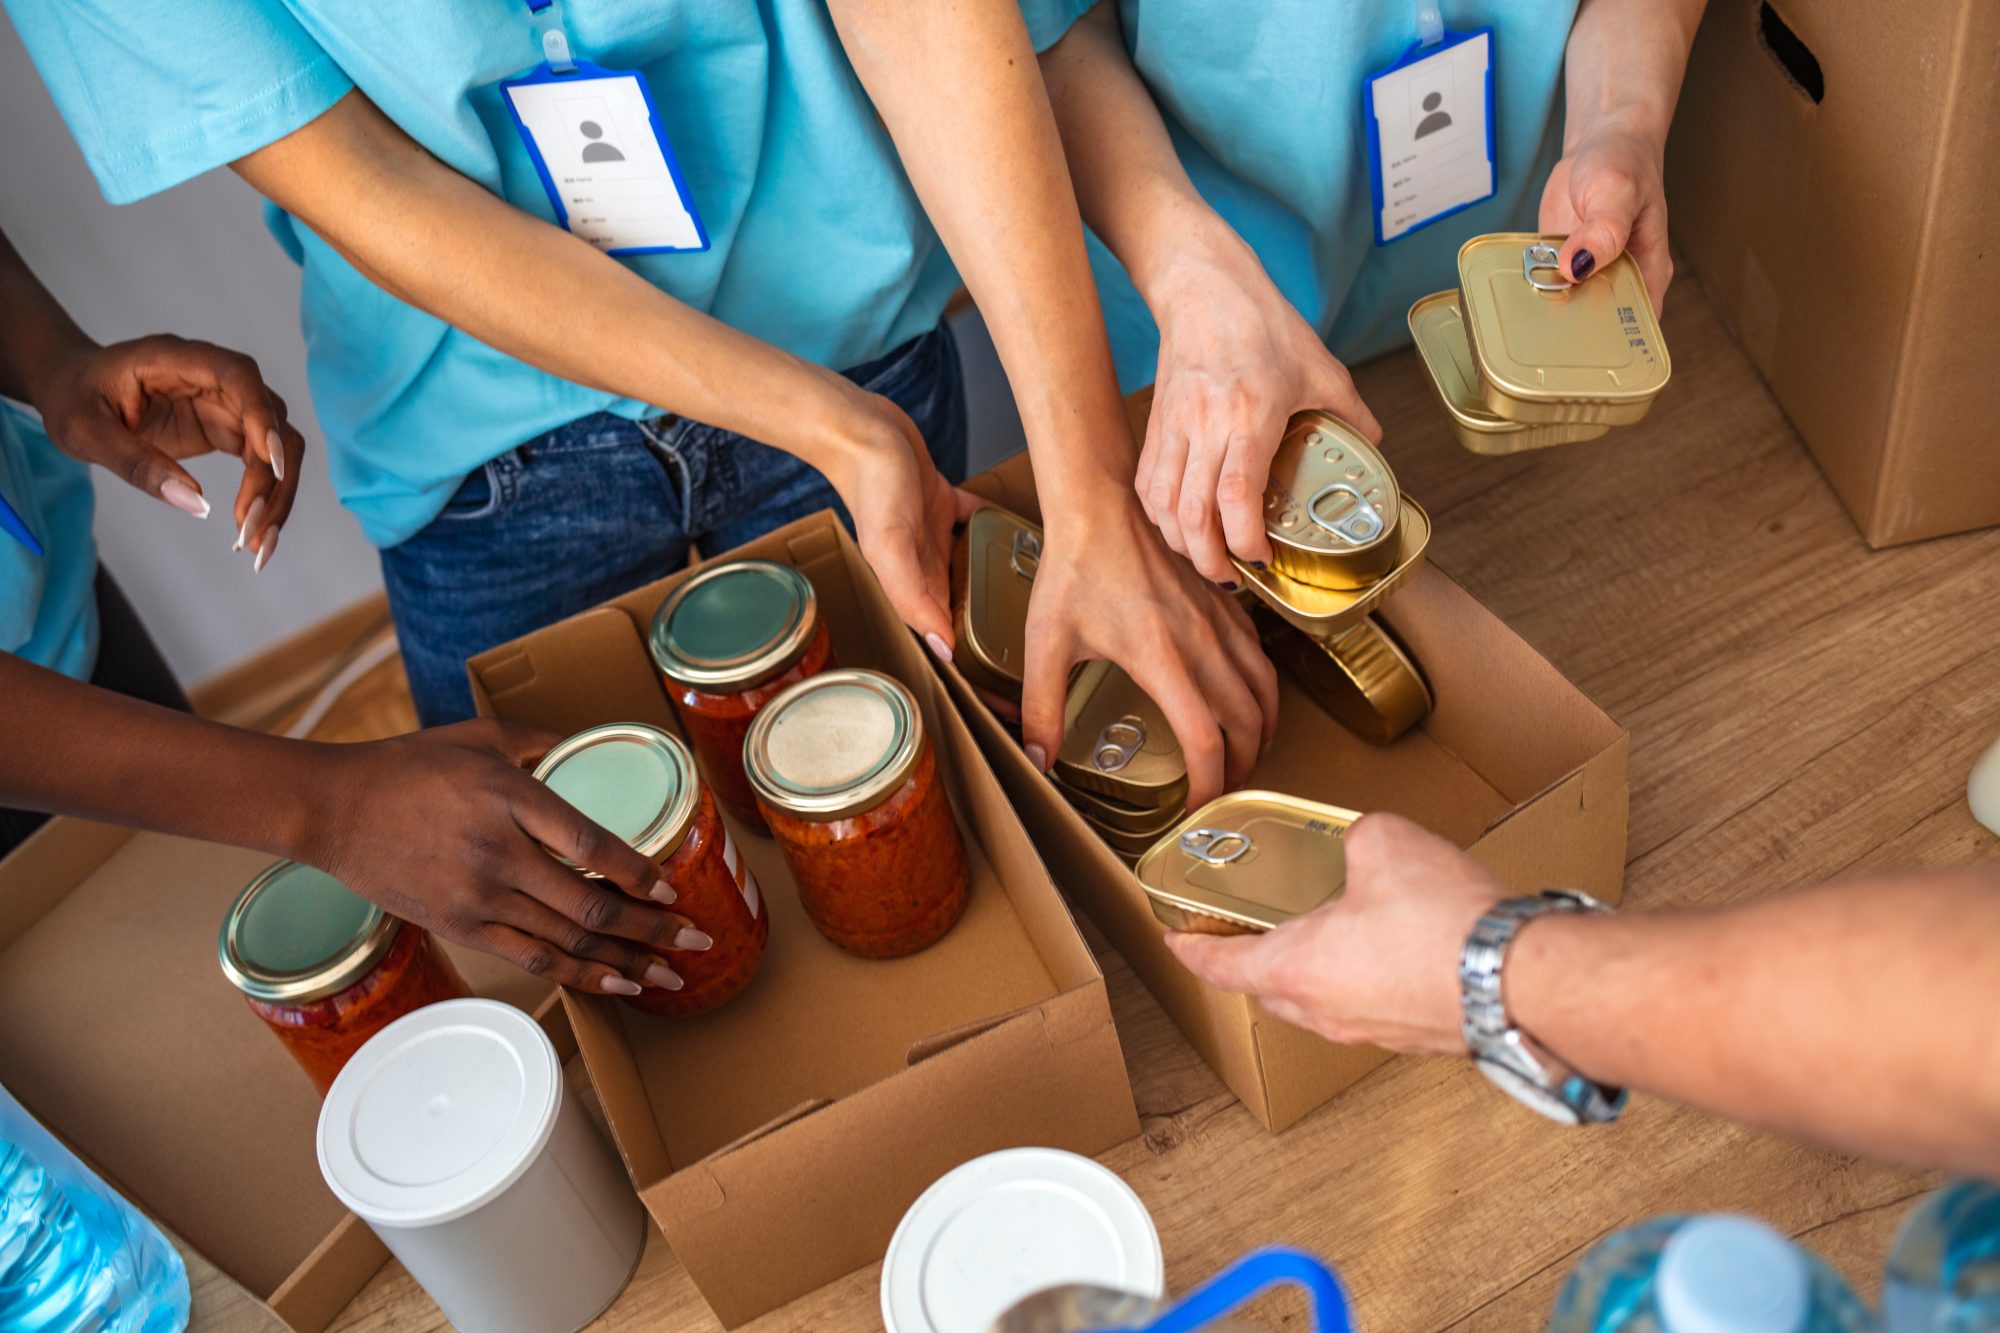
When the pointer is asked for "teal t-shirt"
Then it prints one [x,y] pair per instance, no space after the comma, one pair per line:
[48,602]
[1264,106]
[818,242]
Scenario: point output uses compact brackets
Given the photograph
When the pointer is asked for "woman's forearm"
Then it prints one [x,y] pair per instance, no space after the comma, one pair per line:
[36,332]
[433,238]
[1864,1013]
[1623,66]
[958,88]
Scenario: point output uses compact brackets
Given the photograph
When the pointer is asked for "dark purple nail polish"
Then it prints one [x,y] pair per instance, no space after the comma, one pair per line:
[1581,264]
[1259,565]
[1229,586]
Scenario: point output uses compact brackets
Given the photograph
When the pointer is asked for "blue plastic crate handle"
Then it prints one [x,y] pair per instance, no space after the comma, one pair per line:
[1250,1275]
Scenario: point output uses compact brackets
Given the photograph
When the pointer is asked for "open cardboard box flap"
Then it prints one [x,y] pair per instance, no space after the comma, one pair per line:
[123,1036]
[1514,764]
[801,1119]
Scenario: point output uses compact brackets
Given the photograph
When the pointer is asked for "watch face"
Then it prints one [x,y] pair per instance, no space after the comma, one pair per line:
[1528,1093]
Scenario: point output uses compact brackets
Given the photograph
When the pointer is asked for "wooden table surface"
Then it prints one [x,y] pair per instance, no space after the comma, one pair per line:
[1799,707]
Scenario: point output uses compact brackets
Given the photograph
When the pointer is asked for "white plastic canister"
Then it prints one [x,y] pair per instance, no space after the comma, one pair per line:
[452,1135]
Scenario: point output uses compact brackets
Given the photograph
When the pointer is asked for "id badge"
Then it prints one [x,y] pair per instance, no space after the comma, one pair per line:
[1430,133]
[603,156]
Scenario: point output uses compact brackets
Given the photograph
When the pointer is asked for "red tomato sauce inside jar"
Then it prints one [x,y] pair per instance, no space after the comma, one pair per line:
[850,789]
[325,968]
[728,641]
[641,785]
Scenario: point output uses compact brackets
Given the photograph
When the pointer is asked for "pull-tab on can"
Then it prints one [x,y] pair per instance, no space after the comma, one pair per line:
[1247,862]
[1331,506]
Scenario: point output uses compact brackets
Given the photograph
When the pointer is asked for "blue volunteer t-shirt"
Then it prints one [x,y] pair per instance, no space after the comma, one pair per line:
[48,602]
[1264,107]
[818,243]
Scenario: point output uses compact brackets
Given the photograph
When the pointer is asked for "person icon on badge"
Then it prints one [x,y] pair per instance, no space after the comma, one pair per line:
[1430,124]
[599,151]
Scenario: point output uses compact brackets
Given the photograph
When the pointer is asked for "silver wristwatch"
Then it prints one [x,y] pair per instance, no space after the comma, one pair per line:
[1504,1053]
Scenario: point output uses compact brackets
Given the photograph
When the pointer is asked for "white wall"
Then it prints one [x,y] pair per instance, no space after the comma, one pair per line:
[198,262]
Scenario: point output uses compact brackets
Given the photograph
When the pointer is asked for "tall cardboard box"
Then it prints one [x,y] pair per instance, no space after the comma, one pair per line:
[1832,175]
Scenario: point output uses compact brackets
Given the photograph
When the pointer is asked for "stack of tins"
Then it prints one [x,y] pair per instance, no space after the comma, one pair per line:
[1522,358]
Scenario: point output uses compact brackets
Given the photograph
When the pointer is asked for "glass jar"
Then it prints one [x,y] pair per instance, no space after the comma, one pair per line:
[325,968]
[640,784]
[728,641]
[850,789]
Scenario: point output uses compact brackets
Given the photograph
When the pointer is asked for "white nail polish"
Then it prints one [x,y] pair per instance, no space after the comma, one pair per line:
[252,518]
[265,550]
[620,986]
[663,892]
[277,448]
[184,498]
[661,977]
[939,646]
[692,940]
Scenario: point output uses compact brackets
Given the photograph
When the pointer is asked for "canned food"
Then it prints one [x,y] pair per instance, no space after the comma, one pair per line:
[1438,326]
[1117,743]
[728,641]
[1331,505]
[1002,552]
[1547,350]
[1320,610]
[640,784]
[1359,675]
[1122,816]
[1246,862]
[325,968]
[850,788]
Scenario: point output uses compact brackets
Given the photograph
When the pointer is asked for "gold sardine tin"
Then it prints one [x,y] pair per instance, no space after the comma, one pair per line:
[1117,743]
[1320,610]
[1331,505]
[1249,861]
[1547,351]
[1438,327]
[1360,676]
[1003,551]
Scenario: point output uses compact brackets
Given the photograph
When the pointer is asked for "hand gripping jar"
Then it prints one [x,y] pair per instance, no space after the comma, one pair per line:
[850,789]
[639,783]
[728,641]
[325,968]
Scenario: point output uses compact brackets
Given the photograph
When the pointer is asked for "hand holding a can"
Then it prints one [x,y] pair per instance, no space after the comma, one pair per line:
[446,829]
[1378,965]
[1236,362]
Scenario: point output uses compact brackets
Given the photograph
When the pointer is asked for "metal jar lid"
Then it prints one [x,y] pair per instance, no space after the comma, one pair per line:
[1117,743]
[1003,551]
[636,781]
[1331,505]
[296,934]
[734,625]
[1547,350]
[1438,327]
[834,745]
[1248,861]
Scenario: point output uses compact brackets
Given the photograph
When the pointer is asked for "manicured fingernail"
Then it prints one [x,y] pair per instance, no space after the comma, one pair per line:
[1581,263]
[265,549]
[277,449]
[620,986]
[1038,757]
[1227,585]
[663,892]
[692,940]
[939,646]
[252,518]
[661,977]
[184,498]
[1259,566]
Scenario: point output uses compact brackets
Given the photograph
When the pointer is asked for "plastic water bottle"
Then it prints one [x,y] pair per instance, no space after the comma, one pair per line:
[1718,1274]
[1944,1269]
[74,1256]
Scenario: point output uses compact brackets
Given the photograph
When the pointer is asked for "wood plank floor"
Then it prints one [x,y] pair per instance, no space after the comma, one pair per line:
[1800,708]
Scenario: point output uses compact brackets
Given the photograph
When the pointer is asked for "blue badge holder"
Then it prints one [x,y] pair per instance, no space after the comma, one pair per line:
[1249,1277]
[1372,129]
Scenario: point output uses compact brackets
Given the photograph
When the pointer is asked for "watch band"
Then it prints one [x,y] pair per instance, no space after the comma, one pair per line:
[1510,1057]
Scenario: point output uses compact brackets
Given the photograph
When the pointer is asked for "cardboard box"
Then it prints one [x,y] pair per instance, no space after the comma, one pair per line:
[1514,764]
[1831,176]
[778,1140]
[123,1036]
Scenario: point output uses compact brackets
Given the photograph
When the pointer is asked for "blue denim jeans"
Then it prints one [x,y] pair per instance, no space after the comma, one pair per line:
[604,504]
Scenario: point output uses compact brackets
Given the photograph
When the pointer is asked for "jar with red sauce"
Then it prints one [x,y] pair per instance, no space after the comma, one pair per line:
[640,784]
[728,641]
[850,788]
[325,968]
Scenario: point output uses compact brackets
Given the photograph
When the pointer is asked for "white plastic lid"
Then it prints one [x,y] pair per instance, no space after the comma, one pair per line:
[1009,1224]
[1728,1274]
[439,1113]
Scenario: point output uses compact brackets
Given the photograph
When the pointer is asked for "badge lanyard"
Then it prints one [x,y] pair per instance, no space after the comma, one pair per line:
[1429,119]
[16,527]
[599,146]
